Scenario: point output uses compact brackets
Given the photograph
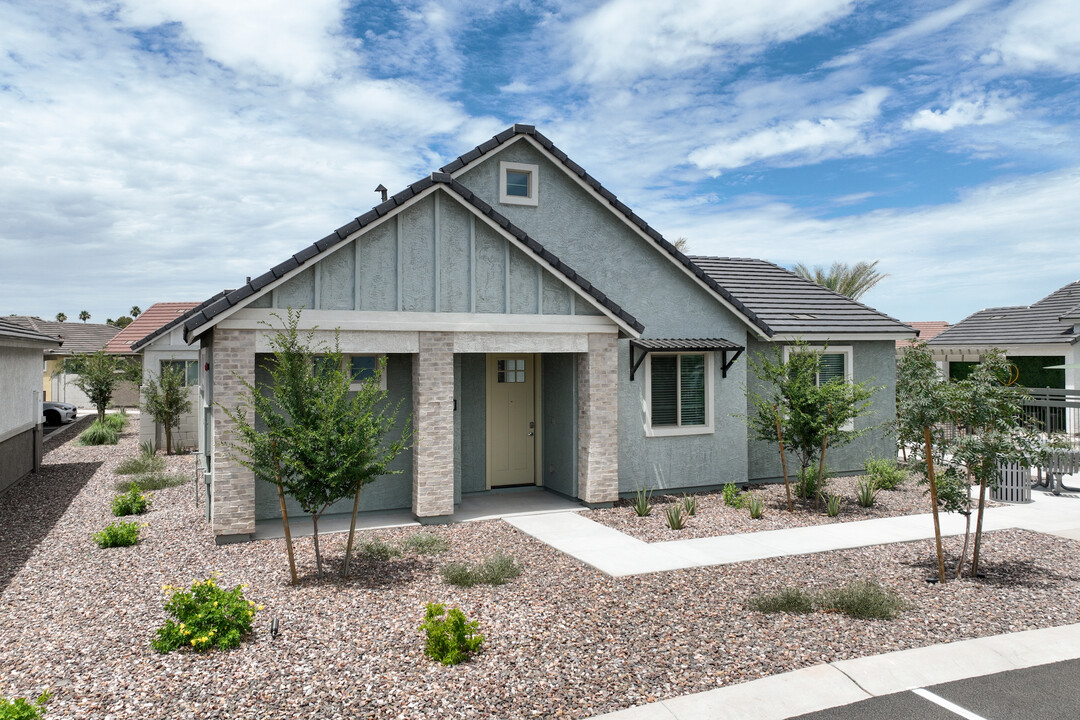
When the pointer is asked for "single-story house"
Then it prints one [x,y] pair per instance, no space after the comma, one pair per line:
[541,334]
[928,330]
[78,338]
[1037,339]
[156,338]
[21,358]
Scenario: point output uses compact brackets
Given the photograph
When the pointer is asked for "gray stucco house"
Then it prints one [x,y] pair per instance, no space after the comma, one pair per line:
[542,334]
[22,355]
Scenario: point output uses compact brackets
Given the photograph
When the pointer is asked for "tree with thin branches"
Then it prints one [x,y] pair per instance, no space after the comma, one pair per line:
[166,400]
[851,280]
[98,374]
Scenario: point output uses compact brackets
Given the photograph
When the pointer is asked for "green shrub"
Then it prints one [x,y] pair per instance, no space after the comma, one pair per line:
[119,534]
[379,550]
[641,503]
[675,518]
[886,474]
[142,465]
[733,496]
[498,569]
[789,600]
[757,507]
[155,481]
[451,638]
[689,503]
[832,505]
[205,617]
[863,600]
[866,492]
[809,485]
[132,502]
[21,709]
[424,543]
[117,421]
[99,434]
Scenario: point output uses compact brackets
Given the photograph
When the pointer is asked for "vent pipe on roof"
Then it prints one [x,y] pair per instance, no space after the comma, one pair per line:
[382,189]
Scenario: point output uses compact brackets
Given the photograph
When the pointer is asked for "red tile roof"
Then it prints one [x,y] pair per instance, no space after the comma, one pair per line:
[927,330]
[151,319]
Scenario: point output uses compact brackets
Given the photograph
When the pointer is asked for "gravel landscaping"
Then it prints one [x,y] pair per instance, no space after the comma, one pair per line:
[562,640]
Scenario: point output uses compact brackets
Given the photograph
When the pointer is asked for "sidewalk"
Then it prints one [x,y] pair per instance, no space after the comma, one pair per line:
[619,555]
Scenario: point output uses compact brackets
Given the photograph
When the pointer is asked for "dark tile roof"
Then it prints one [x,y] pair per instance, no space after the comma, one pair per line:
[78,337]
[927,331]
[687,344]
[151,319]
[18,332]
[1019,325]
[213,308]
[620,207]
[792,305]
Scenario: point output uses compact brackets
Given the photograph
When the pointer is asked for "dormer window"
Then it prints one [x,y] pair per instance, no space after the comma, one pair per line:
[518,183]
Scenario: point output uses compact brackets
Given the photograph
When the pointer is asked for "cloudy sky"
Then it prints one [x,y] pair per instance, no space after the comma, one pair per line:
[162,150]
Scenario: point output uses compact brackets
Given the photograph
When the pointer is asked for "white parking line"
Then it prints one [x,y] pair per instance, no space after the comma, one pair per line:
[951,707]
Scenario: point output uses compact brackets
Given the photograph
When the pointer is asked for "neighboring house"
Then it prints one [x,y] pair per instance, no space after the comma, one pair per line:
[78,338]
[541,333]
[156,339]
[1035,338]
[927,331]
[21,358]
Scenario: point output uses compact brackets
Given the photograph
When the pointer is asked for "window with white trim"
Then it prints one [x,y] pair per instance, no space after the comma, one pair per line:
[361,368]
[833,362]
[679,394]
[188,369]
[518,183]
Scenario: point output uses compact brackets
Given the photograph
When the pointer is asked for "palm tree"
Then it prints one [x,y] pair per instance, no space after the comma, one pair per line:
[851,280]
[135,311]
[61,317]
[84,316]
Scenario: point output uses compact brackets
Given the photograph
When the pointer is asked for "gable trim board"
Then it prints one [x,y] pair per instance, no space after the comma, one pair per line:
[214,313]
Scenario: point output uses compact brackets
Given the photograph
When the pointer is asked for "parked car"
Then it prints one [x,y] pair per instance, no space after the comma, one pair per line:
[58,413]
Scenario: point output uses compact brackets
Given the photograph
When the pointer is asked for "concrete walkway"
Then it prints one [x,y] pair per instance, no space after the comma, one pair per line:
[618,554]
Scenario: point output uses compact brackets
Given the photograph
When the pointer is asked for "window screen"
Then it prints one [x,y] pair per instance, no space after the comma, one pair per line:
[831,367]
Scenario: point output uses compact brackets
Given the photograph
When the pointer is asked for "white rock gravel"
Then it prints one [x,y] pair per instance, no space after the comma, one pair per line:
[563,641]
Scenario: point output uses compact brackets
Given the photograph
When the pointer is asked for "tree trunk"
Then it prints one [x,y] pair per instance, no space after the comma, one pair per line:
[783,463]
[168,439]
[821,472]
[352,531]
[963,552]
[933,504]
[978,527]
[315,535]
[285,518]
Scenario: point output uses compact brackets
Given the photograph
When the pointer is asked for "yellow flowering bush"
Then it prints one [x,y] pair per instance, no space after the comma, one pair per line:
[205,617]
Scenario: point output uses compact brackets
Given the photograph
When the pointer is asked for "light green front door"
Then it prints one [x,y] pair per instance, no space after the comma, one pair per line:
[511,420]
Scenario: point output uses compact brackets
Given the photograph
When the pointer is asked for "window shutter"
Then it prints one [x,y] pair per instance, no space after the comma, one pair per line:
[830,367]
[664,382]
[693,389]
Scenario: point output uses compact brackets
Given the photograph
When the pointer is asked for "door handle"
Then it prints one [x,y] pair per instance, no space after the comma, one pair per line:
[531,433]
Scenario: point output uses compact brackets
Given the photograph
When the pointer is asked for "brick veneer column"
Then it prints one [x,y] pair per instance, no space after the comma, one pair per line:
[433,426]
[232,511]
[598,420]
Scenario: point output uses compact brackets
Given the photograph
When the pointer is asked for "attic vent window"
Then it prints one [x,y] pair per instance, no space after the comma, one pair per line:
[518,183]
[804,316]
[998,317]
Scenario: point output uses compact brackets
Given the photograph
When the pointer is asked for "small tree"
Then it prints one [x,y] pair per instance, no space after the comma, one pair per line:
[84,315]
[322,441]
[809,415]
[61,317]
[97,375]
[166,399]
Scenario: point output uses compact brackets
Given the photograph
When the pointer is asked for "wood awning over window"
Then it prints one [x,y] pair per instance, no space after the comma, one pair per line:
[729,351]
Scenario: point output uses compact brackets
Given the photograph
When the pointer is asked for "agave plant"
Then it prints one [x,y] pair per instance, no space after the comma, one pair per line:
[641,503]
[689,504]
[757,507]
[675,518]
[866,491]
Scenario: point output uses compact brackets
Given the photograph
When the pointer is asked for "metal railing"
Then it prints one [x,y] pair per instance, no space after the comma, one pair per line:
[1052,410]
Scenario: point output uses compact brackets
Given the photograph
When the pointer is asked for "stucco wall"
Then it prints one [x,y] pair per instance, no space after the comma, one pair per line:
[20,410]
[170,347]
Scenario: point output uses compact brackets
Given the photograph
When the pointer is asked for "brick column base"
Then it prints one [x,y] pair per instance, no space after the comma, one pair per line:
[598,420]
[433,426]
[232,510]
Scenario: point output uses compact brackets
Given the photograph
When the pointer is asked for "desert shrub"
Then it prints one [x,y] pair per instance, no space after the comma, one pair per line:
[205,617]
[832,505]
[862,599]
[154,481]
[756,506]
[789,600]
[116,421]
[733,496]
[99,434]
[641,503]
[866,492]
[689,503]
[119,534]
[450,637]
[424,543]
[498,569]
[676,520]
[132,502]
[809,485]
[379,550]
[22,709]
[144,464]
[886,474]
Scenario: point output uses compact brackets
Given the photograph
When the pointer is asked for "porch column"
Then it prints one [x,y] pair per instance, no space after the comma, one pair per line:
[433,426]
[598,420]
[232,509]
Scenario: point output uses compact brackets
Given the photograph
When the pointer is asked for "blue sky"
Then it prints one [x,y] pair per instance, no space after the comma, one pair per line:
[163,150]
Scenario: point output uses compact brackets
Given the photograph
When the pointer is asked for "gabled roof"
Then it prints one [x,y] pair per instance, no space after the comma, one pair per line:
[212,310]
[78,337]
[1050,320]
[10,330]
[464,161]
[151,319]
[139,344]
[927,331]
[792,305]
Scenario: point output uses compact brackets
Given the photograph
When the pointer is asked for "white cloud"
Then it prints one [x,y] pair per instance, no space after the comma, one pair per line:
[626,39]
[842,132]
[298,41]
[986,110]
[1040,34]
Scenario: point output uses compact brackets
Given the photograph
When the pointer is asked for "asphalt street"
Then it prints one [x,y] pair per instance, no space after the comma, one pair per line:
[1046,692]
